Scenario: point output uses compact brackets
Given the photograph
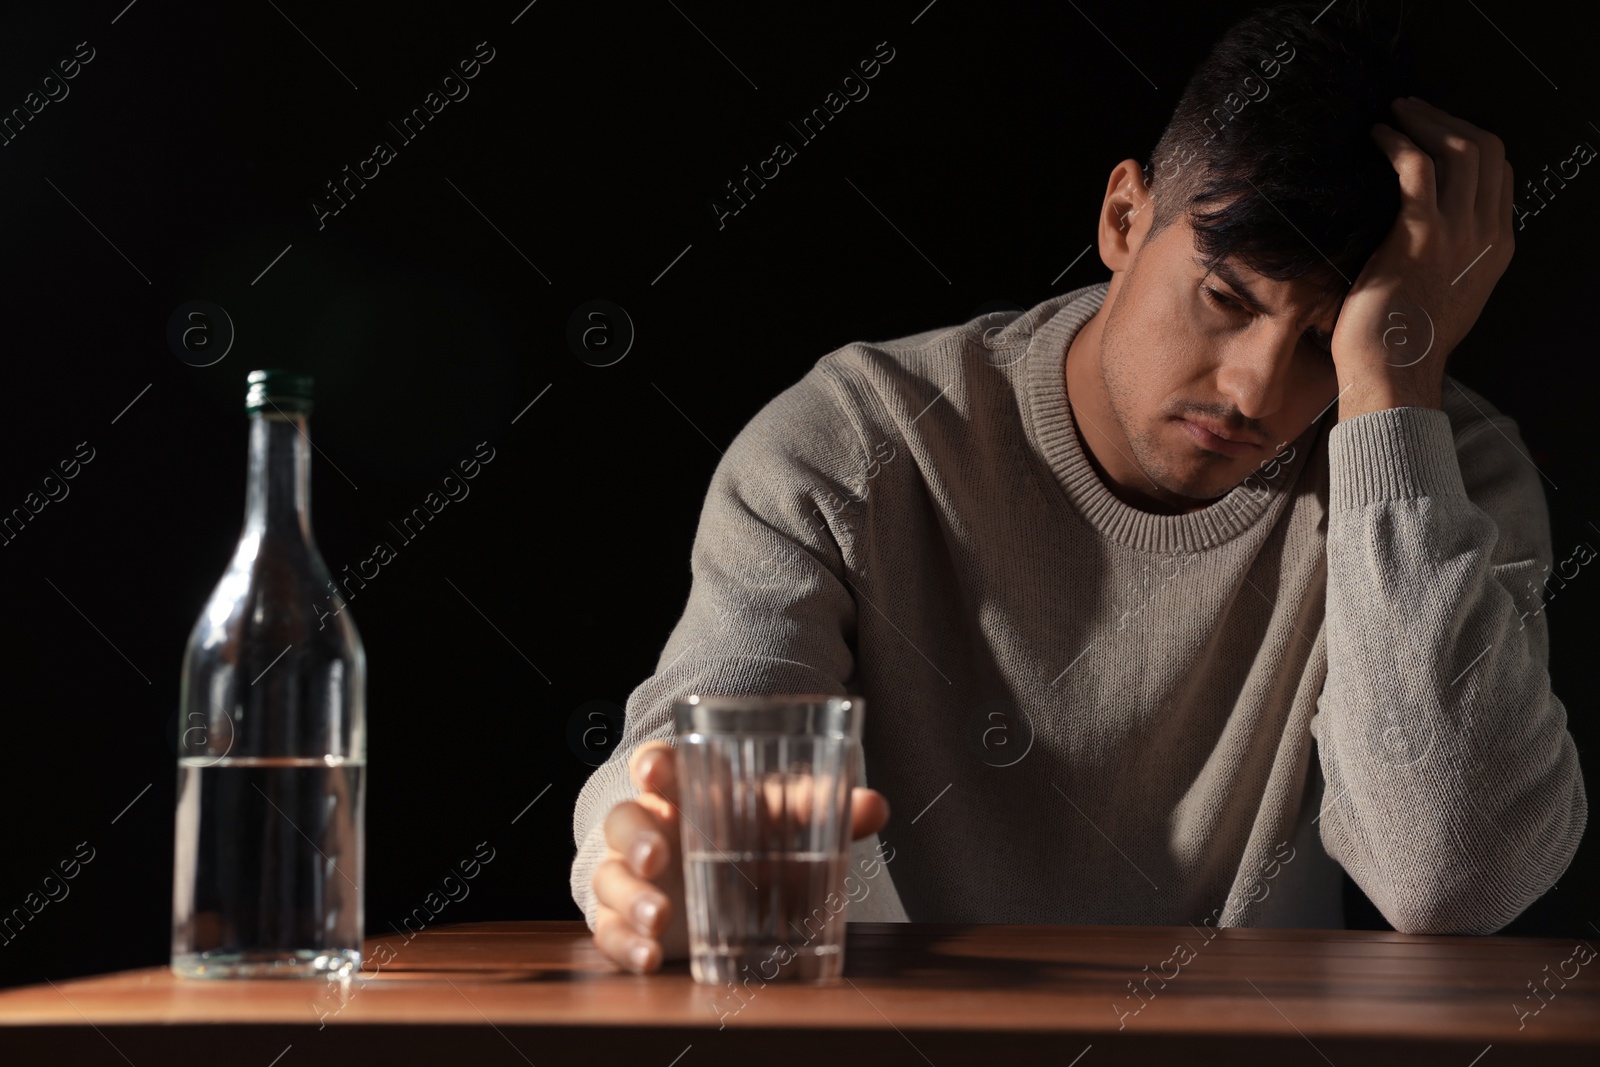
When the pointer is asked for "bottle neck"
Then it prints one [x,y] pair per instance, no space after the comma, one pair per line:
[278,494]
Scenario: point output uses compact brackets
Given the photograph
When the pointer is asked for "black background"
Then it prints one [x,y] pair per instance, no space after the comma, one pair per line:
[592,146]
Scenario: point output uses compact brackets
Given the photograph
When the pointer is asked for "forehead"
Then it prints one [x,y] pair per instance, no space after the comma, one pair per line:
[1316,292]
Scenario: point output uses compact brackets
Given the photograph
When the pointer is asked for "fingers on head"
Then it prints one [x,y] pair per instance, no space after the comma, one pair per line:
[1461,145]
[1492,150]
[1466,137]
[1413,165]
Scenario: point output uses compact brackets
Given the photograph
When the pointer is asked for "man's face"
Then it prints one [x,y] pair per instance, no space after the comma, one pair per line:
[1253,367]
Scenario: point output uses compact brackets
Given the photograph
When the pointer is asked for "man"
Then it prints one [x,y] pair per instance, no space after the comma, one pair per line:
[1236,570]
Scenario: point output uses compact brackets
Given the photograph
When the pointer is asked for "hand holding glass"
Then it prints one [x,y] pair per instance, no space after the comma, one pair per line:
[641,920]
[766,788]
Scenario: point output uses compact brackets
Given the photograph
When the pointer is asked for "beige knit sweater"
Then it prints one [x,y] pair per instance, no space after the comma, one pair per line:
[1081,712]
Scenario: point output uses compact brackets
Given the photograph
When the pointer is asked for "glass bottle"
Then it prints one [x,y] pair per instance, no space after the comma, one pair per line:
[272,735]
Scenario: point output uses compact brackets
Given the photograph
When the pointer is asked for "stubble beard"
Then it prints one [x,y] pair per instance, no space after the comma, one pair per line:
[1147,452]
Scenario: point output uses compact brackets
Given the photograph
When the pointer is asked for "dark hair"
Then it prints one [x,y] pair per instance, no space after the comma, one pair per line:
[1280,169]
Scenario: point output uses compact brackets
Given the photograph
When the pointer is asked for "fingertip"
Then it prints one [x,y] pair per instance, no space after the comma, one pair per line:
[646,852]
[656,769]
[642,762]
[874,812]
[642,957]
[882,803]
[639,767]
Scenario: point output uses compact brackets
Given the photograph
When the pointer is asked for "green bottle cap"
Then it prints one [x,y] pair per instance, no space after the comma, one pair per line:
[283,391]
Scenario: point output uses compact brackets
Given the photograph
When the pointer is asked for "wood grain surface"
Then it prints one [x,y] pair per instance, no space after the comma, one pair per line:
[539,992]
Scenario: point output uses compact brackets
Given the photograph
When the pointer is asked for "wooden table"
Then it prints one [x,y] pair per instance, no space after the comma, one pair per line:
[538,992]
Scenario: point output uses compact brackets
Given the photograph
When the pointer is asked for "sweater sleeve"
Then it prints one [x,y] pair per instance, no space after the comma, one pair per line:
[771,606]
[1454,793]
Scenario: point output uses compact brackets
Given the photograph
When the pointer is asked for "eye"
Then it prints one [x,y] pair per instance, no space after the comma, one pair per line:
[1321,344]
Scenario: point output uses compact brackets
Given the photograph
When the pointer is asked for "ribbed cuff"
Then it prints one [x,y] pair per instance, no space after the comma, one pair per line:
[590,853]
[1394,454]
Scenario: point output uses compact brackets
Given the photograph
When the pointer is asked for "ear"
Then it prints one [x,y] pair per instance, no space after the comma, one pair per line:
[1125,215]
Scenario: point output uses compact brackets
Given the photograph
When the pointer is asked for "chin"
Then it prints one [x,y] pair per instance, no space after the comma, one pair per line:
[1201,487]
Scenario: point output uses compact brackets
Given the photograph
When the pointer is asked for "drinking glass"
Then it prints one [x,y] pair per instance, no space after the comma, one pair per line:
[765,784]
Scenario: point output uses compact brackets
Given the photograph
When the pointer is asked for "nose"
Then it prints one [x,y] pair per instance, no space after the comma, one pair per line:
[1254,371]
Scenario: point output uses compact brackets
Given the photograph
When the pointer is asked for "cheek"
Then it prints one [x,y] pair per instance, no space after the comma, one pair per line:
[1316,381]
[1188,338]
[1155,368]
[1157,345]
[1157,348]
[1315,387]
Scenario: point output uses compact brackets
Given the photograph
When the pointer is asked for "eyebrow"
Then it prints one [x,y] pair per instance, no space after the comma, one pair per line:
[1236,283]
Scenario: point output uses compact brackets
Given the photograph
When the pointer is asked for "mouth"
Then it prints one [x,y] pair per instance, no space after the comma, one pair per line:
[1211,439]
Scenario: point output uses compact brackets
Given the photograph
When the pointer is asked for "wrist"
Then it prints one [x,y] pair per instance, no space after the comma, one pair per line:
[1356,402]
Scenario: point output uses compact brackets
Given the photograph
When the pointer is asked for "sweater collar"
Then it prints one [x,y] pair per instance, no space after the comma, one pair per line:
[1053,433]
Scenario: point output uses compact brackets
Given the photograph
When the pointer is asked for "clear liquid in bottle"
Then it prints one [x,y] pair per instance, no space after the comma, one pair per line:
[272,755]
